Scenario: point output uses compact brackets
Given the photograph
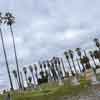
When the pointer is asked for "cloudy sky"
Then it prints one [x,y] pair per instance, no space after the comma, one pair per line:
[45,28]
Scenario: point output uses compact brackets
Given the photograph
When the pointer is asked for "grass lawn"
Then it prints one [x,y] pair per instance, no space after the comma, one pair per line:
[51,92]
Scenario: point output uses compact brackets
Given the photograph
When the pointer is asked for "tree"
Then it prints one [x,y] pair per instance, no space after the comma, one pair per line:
[67,57]
[96,40]
[16,77]
[92,56]
[25,73]
[72,58]
[41,72]
[97,54]
[36,72]
[78,64]
[46,72]
[78,50]
[9,20]
[31,70]
[5,55]
[63,66]
[30,79]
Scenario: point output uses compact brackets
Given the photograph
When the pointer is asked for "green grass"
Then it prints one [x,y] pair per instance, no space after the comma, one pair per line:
[52,92]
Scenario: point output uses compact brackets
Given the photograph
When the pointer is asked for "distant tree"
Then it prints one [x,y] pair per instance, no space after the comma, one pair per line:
[30,79]
[5,55]
[78,50]
[67,57]
[45,68]
[10,20]
[72,58]
[92,56]
[97,55]
[63,66]
[96,40]
[41,72]
[36,72]
[16,77]
[31,70]
[25,73]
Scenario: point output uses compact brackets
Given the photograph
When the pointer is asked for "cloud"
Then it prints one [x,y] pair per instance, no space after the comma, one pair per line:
[46,28]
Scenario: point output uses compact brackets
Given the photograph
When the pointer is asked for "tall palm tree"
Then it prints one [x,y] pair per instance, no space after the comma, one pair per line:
[78,50]
[97,54]
[72,58]
[16,77]
[25,73]
[36,72]
[67,57]
[92,56]
[5,55]
[63,66]
[59,67]
[22,80]
[30,79]
[55,66]
[96,40]
[49,69]
[41,72]
[78,64]
[9,20]
[45,68]
[31,70]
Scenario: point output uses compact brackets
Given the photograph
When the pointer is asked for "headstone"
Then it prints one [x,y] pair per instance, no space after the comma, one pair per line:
[98,71]
[60,82]
[89,75]
[75,81]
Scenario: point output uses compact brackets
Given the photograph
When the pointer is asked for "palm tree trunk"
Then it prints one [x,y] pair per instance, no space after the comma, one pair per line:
[6,60]
[70,66]
[26,79]
[33,78]
[78,65]
[63,66]
[82,63]
[74,66]
[16,56]
[94,62]
[22,79]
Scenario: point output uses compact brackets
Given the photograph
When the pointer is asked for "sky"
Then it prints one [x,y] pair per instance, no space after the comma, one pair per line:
[46,28]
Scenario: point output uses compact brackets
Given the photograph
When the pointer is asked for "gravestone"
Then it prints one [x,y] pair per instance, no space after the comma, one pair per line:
[89,75]
[74,81]
[98,74]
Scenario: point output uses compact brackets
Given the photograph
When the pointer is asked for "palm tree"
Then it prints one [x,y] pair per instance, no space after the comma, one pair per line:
[63,66]
[97,54]
[41,72]
[59,67]
[22,80]
[96,40]
[9,20]
[16,77]
[67,57]
[78,50]
[5,55]
[49,69]
[25,73]
[31,70]
[92,56]
[46,72]
[36,72]
[78,64]
[72,58]
[55,65]
[30,79]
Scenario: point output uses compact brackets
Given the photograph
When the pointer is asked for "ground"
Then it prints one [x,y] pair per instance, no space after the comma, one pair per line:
[84,91]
